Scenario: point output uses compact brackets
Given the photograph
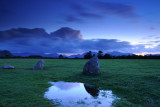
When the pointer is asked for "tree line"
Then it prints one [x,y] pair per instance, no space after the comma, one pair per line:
[101,55]
[88,55]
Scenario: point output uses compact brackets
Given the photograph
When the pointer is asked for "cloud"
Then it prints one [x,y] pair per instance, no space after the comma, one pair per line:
[85,12]
[61,11]
[78,7]
[80,13]
[66,33]
[150,41]
[22,33]
[89,15]
[134,22]
[73,18]
[104,44]
[151,37]
[116,9]
[154,41]
[65,40]
[152,28]
[96,9]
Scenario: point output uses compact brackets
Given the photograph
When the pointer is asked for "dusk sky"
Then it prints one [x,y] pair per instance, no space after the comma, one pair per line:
[131,26]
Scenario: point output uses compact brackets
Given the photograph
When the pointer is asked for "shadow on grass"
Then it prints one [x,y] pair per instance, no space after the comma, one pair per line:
[28,68]
[80,77]
[49,67]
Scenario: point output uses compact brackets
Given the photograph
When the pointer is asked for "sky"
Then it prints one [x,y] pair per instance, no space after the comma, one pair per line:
[109,25]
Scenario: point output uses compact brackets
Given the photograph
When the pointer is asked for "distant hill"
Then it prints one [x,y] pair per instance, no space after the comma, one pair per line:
[114,53]
[78,55]
[25,54]
[7,54]
[152,54]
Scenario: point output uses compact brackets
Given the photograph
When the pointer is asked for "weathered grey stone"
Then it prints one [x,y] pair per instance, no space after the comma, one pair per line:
[92,66]
[39,65]
[8,67]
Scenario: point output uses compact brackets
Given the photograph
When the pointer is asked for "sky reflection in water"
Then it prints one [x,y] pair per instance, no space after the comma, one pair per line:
[79,94]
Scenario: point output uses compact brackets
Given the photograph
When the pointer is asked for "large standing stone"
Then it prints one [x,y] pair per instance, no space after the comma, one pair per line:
[92,66]
[39,65]
[8,67]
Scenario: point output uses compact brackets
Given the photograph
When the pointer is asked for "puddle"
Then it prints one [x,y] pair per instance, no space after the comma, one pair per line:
[69,94]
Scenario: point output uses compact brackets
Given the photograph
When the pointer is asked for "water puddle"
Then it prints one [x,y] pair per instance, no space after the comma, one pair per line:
[69,94]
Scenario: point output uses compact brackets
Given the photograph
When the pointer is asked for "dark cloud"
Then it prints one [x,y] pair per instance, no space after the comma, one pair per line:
[73,18]
[69,41]
[152,28]
[116,9]
[89,15]
[92,9]
[44,12]
[66,33]
[84,11]
[22,33]
[104,44]
[78,7]
[64,40]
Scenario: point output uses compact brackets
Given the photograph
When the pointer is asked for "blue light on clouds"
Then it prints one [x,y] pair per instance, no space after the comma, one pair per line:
[125,20]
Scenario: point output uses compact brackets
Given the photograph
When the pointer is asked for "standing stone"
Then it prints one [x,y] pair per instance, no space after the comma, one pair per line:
[39,65]
[8,67]
[92,66]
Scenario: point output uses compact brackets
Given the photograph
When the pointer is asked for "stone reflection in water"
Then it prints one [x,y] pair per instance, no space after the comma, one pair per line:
[68,94]
[93,90]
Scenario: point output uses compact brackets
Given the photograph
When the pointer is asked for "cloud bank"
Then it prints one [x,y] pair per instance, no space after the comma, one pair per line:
[64,40]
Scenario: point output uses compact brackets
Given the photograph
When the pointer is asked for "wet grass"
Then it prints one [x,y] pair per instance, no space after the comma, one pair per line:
[135,81]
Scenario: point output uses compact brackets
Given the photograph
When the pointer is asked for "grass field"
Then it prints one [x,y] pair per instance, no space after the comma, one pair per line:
[135,81]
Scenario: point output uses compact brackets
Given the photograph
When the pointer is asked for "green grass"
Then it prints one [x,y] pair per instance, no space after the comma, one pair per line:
[135,81]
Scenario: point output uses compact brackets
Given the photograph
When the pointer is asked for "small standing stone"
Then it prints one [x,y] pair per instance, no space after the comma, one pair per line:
[92,66]
[8,67]
[39,65]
